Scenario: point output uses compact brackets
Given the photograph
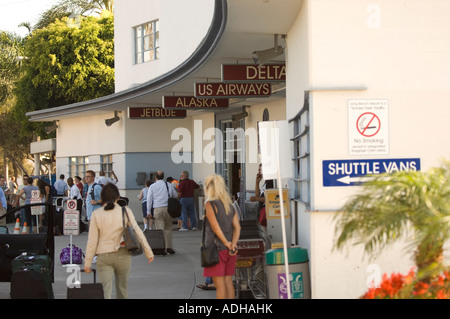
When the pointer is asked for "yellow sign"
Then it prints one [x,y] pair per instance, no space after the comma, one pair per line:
[273,208]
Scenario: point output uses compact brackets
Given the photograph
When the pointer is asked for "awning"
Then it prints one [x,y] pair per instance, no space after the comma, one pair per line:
[237,29]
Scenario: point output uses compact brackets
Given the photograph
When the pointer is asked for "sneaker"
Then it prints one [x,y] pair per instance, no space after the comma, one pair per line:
[194,228]
[183,229]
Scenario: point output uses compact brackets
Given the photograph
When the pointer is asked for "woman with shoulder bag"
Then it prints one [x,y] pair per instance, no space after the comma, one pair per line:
[223,227]
[105,240]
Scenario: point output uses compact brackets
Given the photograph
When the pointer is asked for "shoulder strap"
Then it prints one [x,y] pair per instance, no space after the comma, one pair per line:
[92,191]
[206,219]
[124,212]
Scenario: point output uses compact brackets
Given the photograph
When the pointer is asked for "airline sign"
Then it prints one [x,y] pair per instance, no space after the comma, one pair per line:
[191,102]
[253,73]
[355,172]
[223,90]
[154,113]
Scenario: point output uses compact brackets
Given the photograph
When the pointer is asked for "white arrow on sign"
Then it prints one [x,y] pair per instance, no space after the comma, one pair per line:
[347,179]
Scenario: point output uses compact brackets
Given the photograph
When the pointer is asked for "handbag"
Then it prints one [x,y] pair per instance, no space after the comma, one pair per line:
[77,255]
[209,254]
[129,237]
[173,205]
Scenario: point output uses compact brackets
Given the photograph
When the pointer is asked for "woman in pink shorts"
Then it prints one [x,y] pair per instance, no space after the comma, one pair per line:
[223,228]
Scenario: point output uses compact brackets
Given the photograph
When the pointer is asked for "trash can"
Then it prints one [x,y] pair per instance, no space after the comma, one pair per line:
[298,271]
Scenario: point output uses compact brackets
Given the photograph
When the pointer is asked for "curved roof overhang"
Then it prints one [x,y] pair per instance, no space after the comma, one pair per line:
[237,29]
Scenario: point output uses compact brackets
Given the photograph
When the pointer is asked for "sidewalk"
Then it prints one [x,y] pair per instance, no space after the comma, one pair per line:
[167,277]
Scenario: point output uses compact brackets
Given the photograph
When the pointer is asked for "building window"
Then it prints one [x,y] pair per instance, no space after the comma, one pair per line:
[106,164]
[77,165]
[302,155]
[147,42]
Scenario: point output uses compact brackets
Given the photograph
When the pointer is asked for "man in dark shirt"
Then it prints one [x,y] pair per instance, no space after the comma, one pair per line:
[186,189]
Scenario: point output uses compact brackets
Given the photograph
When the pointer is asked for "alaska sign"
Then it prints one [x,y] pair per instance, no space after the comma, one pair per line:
[253,73]
[223,90]
[191,102]
[154,113]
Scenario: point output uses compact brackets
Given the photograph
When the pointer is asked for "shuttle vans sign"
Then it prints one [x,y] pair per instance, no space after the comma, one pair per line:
[354,172]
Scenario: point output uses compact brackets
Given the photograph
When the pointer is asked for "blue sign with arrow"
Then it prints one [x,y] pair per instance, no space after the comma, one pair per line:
[354,172]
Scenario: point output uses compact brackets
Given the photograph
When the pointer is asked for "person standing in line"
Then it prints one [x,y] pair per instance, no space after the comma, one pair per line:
[12,188]
[74,193]
[157,197]
[77,181]
[223,224]
[103,180]
[61,186]
[175,183]
[25,194]
[93,198]
[259,196]
[3,201]
[106,241]
[186,195]
[148,219]
[21,201]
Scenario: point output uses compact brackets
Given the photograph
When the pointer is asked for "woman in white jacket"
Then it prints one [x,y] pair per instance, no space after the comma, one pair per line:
[106,241]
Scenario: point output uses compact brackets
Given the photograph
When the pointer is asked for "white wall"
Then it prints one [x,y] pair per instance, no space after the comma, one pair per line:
[183,25]
[397,51]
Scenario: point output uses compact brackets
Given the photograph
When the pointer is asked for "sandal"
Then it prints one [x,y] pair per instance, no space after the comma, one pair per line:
[206,287]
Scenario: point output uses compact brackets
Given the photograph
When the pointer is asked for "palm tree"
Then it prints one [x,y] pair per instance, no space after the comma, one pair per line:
[390,206]
[66,8]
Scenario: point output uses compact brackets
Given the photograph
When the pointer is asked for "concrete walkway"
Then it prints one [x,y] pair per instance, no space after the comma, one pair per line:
[167,277]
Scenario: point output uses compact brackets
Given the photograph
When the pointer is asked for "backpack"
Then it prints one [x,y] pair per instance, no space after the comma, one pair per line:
[77,255]
[53,191]
[92,191]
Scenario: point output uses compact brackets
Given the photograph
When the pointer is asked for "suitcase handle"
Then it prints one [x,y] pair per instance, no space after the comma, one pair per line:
[94,271]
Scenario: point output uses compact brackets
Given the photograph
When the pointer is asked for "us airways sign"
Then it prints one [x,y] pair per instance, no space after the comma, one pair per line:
[253,73]
[222,90]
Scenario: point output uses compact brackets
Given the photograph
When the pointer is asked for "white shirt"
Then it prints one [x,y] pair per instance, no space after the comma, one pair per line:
[61,187]
[157,194]
[103,180]
[75,192]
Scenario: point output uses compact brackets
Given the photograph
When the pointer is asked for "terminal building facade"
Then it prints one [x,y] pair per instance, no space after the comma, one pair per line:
[361,85]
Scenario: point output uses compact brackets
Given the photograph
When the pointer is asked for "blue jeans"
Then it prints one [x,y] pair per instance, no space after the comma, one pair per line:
[188,211]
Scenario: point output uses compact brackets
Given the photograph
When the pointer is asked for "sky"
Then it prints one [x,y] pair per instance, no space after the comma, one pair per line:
[14,12]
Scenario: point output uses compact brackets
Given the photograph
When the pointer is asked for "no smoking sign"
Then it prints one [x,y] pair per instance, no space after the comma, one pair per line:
[71,204]
[368,124]
[368,127]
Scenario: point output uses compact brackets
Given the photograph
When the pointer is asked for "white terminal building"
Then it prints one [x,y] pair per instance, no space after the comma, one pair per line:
[362,87]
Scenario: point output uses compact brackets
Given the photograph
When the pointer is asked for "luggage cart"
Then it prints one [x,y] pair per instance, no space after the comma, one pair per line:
[250,280]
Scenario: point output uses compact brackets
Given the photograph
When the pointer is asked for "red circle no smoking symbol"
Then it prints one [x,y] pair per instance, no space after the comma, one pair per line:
[71,205]
[368,124]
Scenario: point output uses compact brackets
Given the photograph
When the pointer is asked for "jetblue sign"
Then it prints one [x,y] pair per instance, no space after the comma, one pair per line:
[354,172]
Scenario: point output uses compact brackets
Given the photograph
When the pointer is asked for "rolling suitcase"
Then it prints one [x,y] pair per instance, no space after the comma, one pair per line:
[31,277]
[155,238]
[86,291]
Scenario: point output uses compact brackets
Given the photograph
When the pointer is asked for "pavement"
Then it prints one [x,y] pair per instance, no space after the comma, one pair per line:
[167,277]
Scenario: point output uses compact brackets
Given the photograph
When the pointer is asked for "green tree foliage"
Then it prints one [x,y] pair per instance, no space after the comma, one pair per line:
[67,62]
[413,205]
[72,8]
[11,56]
[11,53]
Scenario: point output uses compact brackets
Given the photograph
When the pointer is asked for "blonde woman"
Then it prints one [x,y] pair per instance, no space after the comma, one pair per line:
[223,227]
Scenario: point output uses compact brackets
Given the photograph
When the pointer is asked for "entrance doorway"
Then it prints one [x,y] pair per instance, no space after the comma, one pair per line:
[232,162]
